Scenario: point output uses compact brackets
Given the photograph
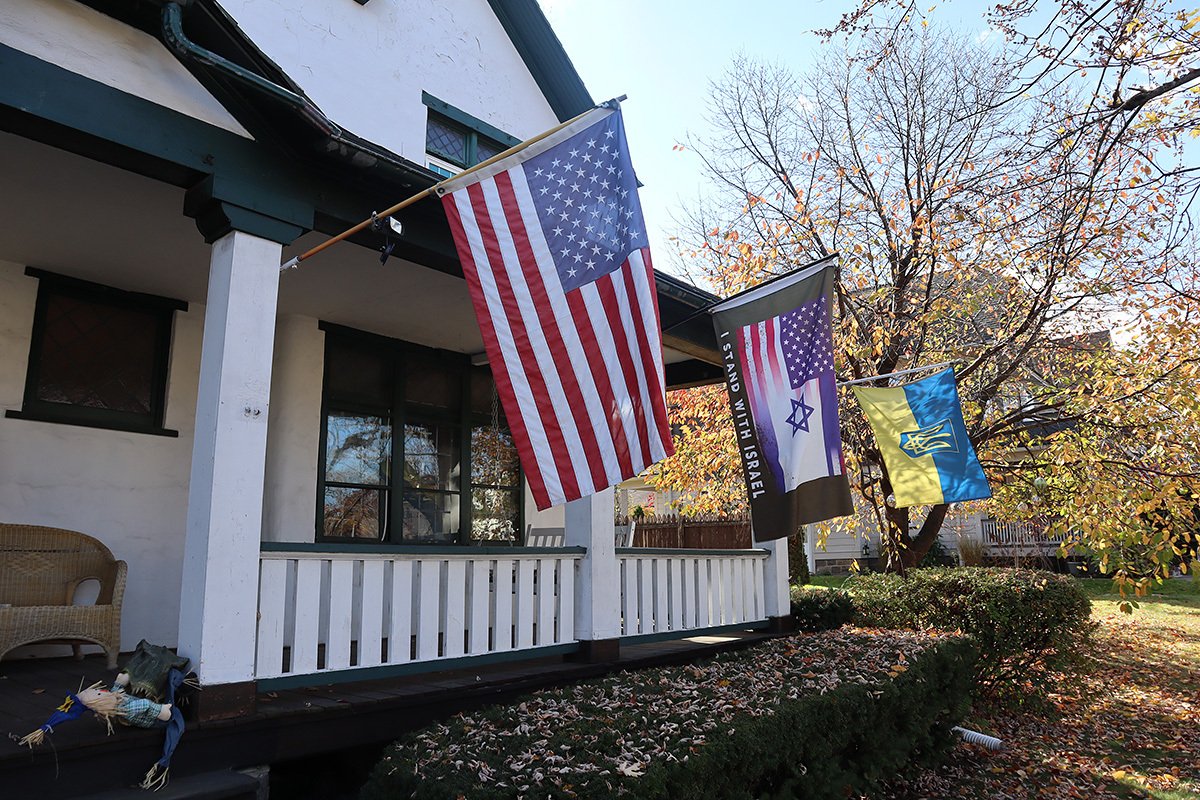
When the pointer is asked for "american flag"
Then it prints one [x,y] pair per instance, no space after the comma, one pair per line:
[557,260]
[807,341]
[791,388]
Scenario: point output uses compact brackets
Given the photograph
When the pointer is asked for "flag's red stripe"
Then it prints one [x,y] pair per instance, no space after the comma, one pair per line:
[649,363]
[525,354]
[668,443]
[552,331]
[776,370]
[504,387]
[616,323]
[753,368]
[595,362]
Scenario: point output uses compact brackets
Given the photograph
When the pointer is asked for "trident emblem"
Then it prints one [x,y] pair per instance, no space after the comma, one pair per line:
[930,439]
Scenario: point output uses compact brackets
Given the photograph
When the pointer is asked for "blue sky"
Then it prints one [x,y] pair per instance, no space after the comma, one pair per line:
[665,53]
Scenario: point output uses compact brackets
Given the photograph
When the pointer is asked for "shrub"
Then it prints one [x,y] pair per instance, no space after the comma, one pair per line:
[1026,623]
[970,552]
[818,609]
[798,560]
[937,556]
[824,716]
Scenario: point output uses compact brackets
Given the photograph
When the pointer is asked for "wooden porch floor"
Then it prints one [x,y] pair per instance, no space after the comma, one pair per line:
[79,759]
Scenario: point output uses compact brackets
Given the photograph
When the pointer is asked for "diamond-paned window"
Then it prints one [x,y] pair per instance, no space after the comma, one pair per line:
[457,144]
[446,140]
[98,356]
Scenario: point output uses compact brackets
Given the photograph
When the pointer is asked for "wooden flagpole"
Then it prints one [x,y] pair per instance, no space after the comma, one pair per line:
[895,374]
[295,261]
[706,308]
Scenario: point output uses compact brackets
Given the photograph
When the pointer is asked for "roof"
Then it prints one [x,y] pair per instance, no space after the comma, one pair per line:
[277,112]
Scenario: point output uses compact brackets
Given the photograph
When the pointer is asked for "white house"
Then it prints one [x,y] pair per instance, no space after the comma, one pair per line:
[303,470]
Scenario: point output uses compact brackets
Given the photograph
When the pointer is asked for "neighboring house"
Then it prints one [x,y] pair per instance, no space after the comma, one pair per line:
[305,471]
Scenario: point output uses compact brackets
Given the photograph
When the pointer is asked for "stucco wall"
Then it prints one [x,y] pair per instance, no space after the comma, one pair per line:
[294,431]
[365,66]
[129,490]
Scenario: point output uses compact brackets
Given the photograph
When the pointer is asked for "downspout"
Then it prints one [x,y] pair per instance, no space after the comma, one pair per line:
[185,48]
[338,143]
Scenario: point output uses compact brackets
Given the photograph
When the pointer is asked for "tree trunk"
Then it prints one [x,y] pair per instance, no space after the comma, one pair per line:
[918,547]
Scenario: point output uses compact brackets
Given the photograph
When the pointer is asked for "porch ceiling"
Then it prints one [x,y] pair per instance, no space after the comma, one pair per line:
[78,217]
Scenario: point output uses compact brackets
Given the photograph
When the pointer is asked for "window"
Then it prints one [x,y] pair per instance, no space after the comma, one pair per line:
[98,356]
[428,413]
[455,140]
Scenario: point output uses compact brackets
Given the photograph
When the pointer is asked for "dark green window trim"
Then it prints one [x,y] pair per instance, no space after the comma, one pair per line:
[400,412]
[468,121]
[161,308]
[470,140]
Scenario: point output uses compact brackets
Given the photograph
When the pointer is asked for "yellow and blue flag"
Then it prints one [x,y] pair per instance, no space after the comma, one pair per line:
[920,432]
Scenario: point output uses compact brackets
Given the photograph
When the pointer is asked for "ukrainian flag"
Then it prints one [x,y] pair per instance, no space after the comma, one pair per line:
[920,431]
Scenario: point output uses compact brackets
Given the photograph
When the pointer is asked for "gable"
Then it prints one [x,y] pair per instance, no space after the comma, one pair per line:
[366,66]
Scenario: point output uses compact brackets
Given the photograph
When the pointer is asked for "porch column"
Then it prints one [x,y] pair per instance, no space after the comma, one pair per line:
[219,603]
[775,584]
[810,548]
[588,522]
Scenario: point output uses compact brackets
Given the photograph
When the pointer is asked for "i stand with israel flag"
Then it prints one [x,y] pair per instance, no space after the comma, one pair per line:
[777,343]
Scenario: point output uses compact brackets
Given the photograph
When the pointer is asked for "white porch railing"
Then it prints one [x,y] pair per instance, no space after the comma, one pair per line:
[1005,533]
[667,591]
[332,611]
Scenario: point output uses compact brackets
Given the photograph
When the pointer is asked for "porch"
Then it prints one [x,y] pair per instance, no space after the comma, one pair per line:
[327,614]
[288,725]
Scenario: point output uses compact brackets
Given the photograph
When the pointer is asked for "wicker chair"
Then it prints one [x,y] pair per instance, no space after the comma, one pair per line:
[40,570]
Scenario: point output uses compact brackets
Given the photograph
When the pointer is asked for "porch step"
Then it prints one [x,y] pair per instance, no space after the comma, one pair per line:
[221,785]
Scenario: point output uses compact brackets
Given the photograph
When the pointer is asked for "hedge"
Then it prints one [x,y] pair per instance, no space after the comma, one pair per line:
[1026,623]
[818,609]
[812,716]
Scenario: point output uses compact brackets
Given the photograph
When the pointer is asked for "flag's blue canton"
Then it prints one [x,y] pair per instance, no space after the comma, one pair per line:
[586,197]
[805,336]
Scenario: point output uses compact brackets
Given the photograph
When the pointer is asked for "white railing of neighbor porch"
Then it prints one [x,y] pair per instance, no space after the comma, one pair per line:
[669,591]
[333,611]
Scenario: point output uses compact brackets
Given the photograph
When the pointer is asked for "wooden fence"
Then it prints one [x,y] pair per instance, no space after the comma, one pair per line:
[693,533]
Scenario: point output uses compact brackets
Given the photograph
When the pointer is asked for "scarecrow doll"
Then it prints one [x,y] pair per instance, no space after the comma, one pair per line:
[143,695]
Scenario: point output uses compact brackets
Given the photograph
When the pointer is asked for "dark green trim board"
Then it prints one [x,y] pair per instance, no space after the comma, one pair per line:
[455,550]
[544,56]
[672,552]
[414,668]
[463,118]
[669,635]
[109,292]
[46,103]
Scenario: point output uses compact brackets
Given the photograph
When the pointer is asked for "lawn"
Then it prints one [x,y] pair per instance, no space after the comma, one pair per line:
[1126,726]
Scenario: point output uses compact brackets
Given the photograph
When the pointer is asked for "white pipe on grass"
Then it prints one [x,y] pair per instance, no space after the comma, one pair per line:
[975,737]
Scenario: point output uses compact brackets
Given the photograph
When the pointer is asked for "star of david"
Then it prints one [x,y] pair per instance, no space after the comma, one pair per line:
[805,411]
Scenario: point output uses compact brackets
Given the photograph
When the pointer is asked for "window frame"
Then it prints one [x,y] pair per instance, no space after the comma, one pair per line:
[51,284]
[401,413]
[473,128]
